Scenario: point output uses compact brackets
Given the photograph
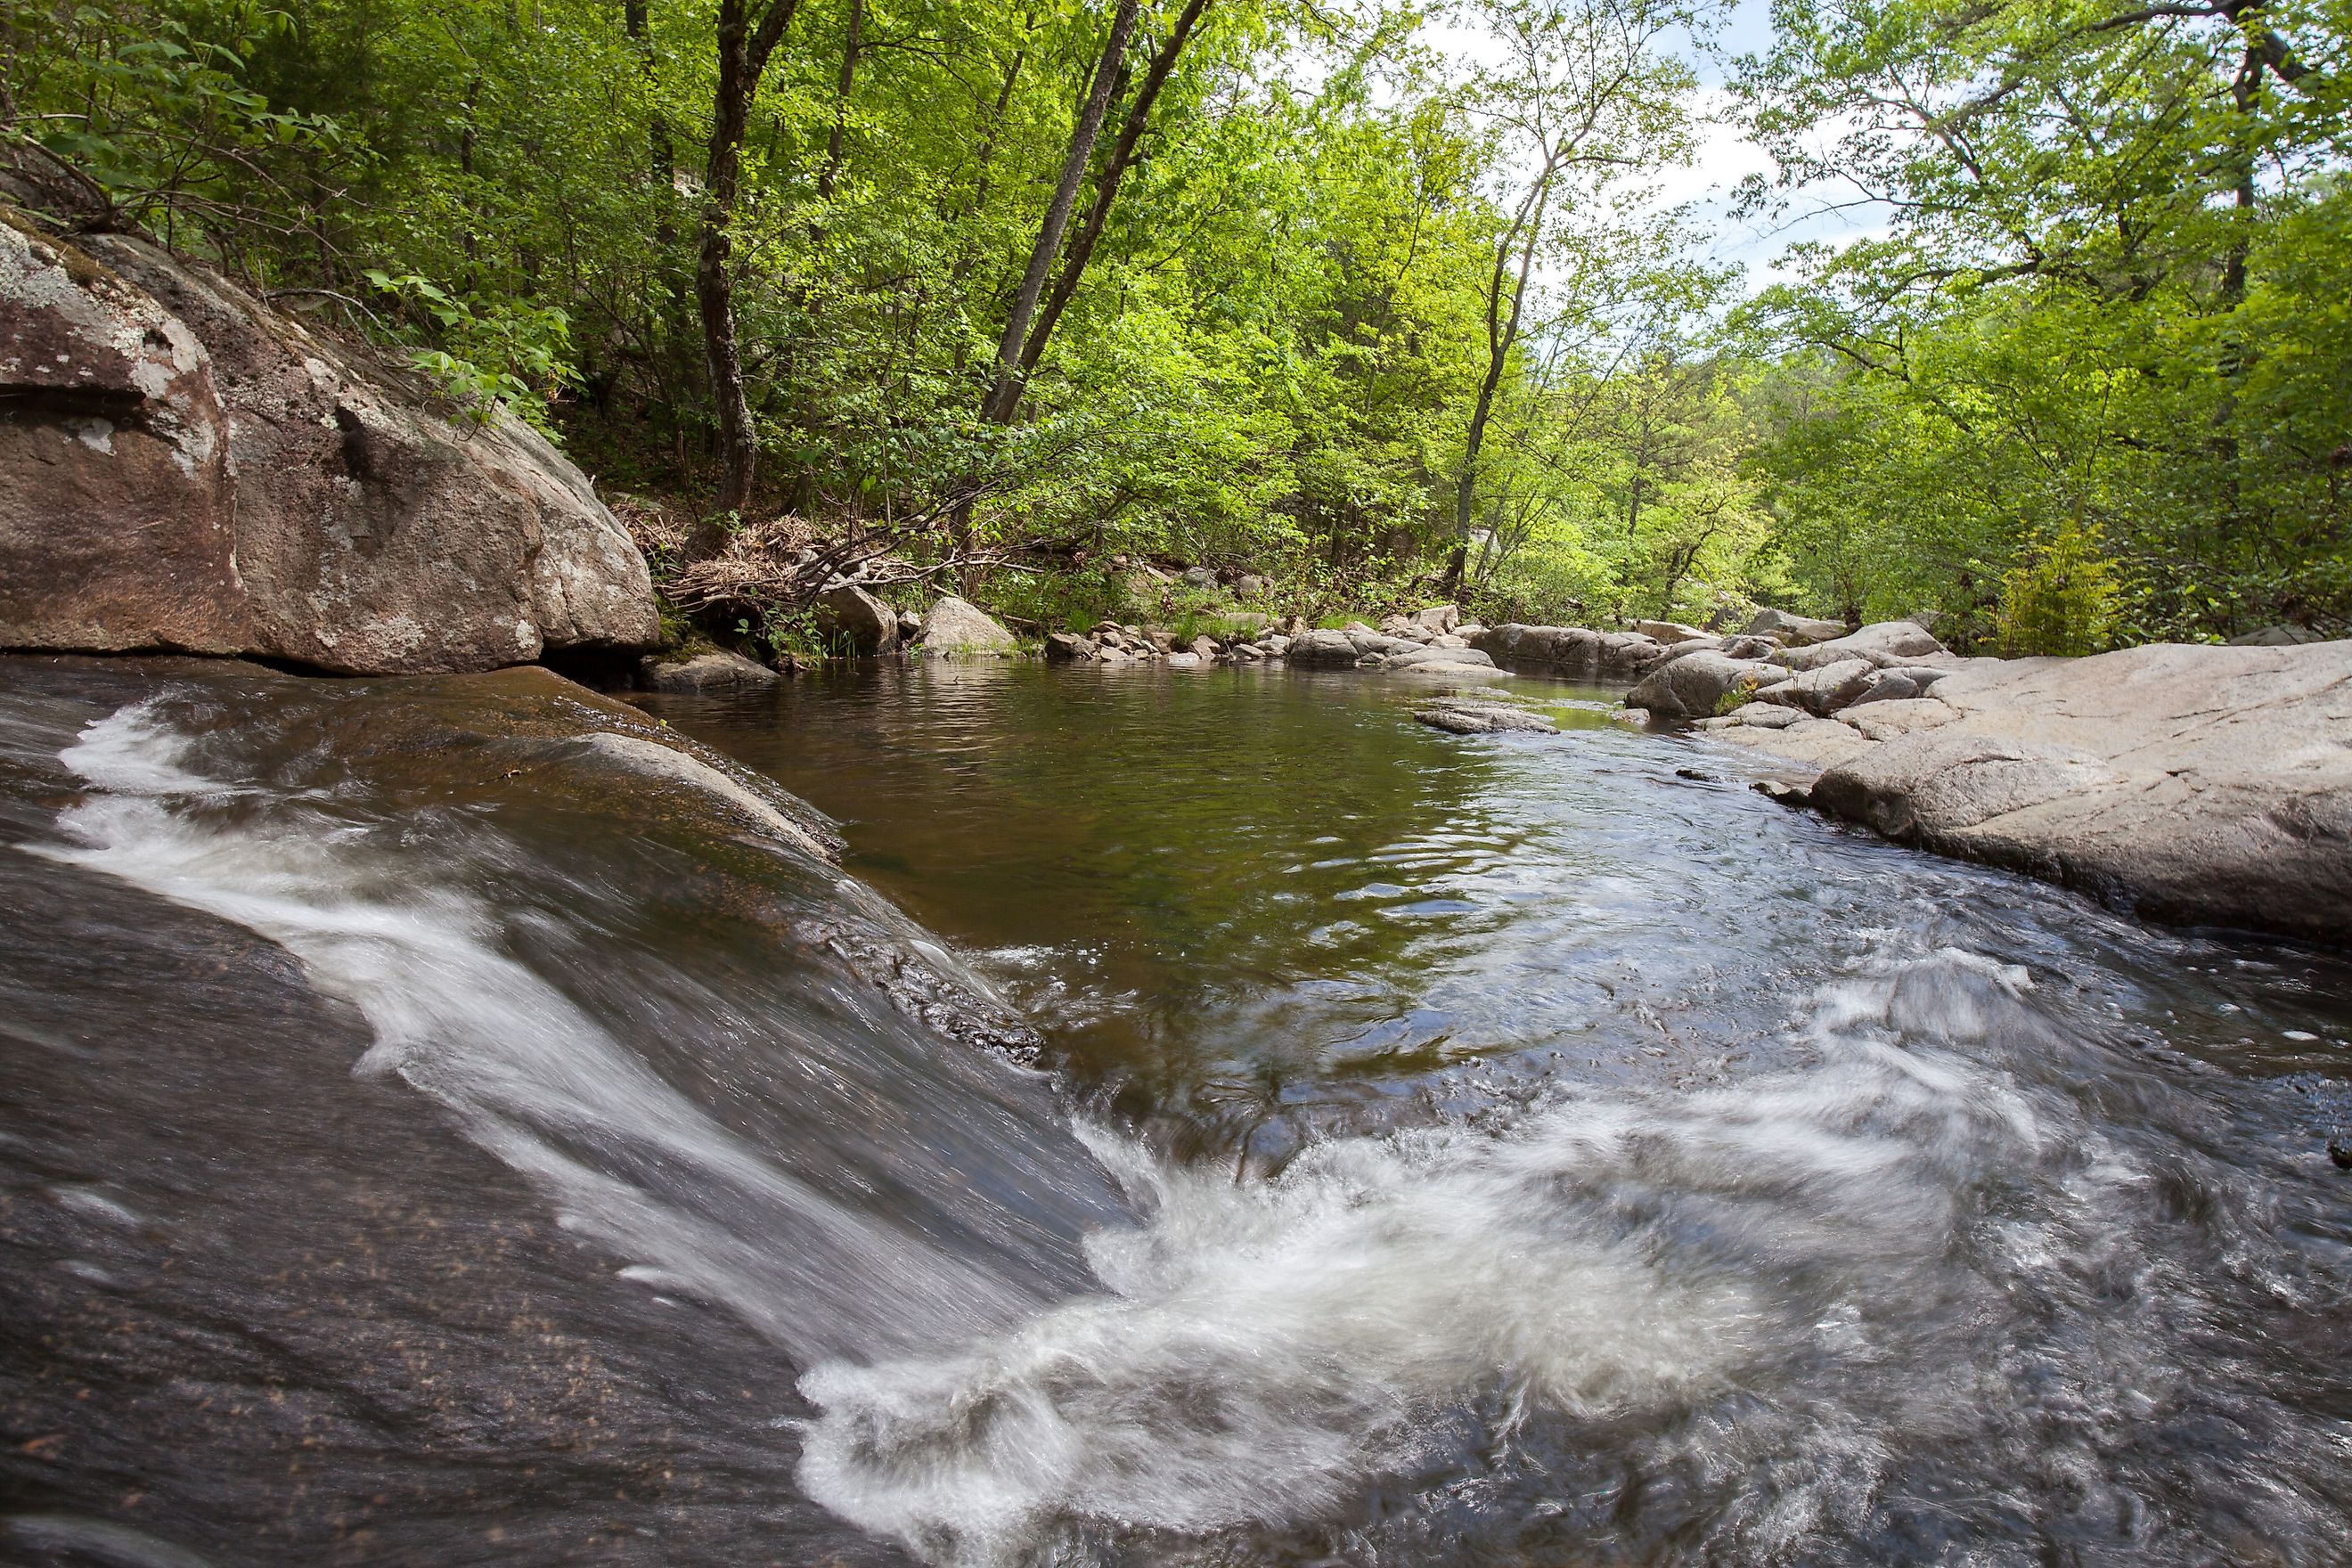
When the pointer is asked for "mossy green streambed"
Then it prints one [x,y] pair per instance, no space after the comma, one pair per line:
[439,1128]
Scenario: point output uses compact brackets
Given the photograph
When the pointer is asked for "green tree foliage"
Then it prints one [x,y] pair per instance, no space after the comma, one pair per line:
[1328,296]
[2119,238]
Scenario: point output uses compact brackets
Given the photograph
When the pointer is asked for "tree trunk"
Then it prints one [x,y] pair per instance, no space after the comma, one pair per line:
[1123,157]
[1502,335]
[825,181]
[744,46]
[1004,395]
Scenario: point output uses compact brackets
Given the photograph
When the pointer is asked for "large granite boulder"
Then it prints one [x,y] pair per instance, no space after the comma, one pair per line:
[1572,651]
[2211,785]
[1824,691]
[1701,684]
[1793,628]
[954,626]
[1882,643]
[848,615]
[182,468]
[1323,651]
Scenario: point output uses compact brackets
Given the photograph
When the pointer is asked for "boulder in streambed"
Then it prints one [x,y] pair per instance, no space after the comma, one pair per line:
[1574,651]
[1701,684]
[848,615]
[954,626]
[1434,660]
[1822,691]
[1882,643]
[183,468]
[1322,650]
[1791,628]
[1471,717]
[2211,785]
[713,670]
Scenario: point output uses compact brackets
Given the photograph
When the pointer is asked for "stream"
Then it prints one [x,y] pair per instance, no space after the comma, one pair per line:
[1206,1119]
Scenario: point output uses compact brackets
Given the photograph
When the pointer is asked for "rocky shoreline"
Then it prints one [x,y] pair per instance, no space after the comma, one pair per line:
[2192,784]
[1434,639]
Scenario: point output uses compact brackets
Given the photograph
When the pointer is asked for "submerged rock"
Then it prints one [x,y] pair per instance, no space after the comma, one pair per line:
[182,468]
[712,671]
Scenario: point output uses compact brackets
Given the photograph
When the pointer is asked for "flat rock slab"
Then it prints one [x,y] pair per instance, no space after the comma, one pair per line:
[2196,784]
[1471,717]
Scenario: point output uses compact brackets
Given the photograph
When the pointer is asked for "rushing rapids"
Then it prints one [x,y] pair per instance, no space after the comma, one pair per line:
[456,1120]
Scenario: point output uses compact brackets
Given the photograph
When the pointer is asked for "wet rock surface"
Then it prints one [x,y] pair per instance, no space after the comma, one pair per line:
[539,1100]
[183,468]
[1468,716]
[711,669]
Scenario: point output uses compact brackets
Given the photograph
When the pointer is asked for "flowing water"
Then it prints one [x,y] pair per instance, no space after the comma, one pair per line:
[440,1123]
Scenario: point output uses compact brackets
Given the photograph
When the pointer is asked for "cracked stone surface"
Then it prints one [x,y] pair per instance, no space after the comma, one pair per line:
[184,468]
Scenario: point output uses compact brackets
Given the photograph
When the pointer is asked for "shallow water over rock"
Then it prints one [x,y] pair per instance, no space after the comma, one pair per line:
[438,1127]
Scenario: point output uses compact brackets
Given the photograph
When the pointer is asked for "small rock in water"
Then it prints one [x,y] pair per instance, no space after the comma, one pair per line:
[1460,717]
[1784,792]
[711,669]
[2341,1153]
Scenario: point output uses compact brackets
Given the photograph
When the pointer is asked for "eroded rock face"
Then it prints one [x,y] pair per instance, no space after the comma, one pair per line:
[117,514]
[2204,784]
[182,468]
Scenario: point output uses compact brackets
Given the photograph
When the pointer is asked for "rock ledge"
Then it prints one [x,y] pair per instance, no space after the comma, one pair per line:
[2188,783]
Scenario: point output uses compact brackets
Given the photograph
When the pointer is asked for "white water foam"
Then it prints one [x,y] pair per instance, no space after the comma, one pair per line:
[1262,1353]
[531,1077]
